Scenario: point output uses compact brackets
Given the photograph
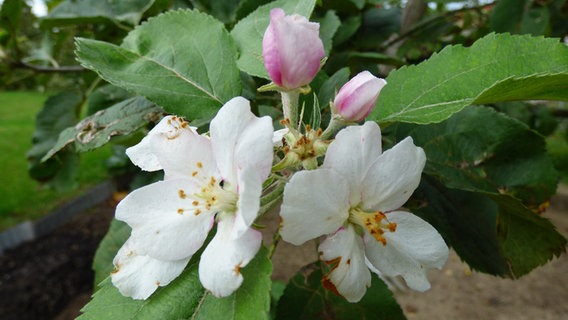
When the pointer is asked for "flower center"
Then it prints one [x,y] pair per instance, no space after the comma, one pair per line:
[215,196]
[375,222]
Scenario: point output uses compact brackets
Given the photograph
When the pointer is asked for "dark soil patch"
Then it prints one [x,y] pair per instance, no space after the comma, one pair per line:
[38,279]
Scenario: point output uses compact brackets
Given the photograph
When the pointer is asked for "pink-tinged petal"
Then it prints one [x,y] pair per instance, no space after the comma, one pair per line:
[234,129]
[165,223]
[138,276]
[221,262]
[410,251]
[357,98]
[345,252]
[270,48]
[353,151]
[315,203]
[292,49]
[392,179]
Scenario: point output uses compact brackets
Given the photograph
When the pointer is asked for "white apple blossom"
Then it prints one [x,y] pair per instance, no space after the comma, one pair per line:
[205,180]
[355,199]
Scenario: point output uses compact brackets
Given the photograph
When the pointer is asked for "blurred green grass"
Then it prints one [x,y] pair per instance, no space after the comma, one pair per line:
[22,198]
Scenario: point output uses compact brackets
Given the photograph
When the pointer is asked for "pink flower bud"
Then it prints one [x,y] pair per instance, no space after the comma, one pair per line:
[292,49]
[357,98]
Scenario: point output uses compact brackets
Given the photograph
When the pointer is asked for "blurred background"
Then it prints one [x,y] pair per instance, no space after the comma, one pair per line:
[53,214]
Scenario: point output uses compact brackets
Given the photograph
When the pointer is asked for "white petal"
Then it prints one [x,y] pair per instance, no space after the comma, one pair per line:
[390,181]
[138,276]
[250,189]
[142,156]
[188,156]
[219,268]
[253,162]
[410,251]
[173,130]
[350,276]
[278,136]
[353,151]
[159,229]
[235,133]
[315,203]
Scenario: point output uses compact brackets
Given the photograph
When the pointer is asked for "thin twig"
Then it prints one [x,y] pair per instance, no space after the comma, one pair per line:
[42,69]
[424,23]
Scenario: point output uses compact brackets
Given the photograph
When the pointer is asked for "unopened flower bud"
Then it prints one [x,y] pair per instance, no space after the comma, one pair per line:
[292,49]
[357,98]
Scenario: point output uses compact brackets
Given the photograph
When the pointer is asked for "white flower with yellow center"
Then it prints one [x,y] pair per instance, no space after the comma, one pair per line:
[205,180]
[355,199]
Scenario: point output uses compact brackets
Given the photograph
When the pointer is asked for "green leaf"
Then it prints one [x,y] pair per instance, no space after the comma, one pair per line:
[96,11]
[95,131]
[467,221]
[305,298]
[105,97]
[347,29]
[328,26]
[11,14]
[315,117]
[331,86]
[248,33]
[58,113]
[528,240]
[250,301]
[183,60]
[117,234]
[520,16]
[479,150]
[493,69]
[494,234]
[507,15]
[536,21]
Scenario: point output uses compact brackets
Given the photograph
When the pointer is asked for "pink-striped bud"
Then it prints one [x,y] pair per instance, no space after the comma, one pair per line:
[292,49]
[357,98]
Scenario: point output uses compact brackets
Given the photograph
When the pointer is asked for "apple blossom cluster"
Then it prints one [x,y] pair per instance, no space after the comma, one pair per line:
[353,197]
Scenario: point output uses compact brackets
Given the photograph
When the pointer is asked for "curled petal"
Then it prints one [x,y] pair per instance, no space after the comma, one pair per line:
[413,248]
[188,156]
[350,276]
[392,179]
[222,260]
[353,151]
[172,128]
[138,276]
[315,203]
[164,222]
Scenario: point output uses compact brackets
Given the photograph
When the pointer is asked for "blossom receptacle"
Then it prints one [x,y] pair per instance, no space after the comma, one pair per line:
[292,49]
[357,98]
